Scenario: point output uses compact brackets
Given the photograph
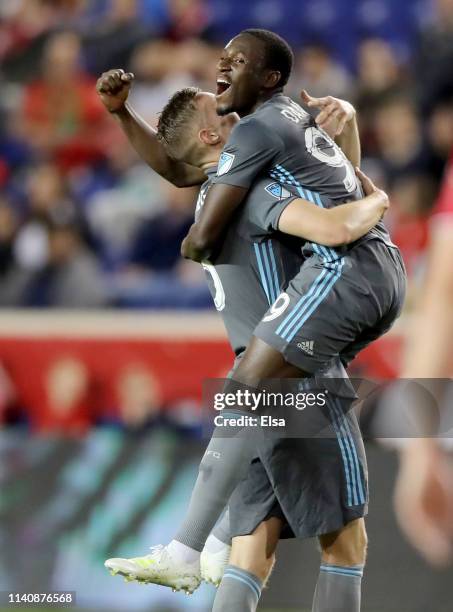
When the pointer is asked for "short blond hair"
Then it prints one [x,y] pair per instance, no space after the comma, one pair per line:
[175,119]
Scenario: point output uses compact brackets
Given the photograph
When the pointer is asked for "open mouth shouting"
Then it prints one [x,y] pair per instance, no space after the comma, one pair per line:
[222,86]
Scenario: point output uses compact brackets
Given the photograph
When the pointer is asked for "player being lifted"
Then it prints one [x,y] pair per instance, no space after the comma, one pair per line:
[237,274]
[340,300]
[254,67]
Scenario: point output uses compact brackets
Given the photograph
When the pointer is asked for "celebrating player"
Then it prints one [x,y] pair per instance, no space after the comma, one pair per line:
[237,275]
[339,301]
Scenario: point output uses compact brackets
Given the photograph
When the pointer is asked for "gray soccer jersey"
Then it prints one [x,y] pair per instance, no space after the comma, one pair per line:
[249,273]
[308,324]
[282,141]
[254,265]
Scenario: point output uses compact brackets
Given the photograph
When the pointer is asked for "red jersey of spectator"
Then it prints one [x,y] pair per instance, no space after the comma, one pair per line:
[65,120]
[410,233]
[62,115]
[444,204]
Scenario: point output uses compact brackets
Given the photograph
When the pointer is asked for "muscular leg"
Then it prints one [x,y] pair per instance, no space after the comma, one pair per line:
[343,557]
[251,562]
[227,459]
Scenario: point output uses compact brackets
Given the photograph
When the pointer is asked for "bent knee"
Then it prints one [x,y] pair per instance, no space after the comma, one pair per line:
[258,564]
[346,547]
[262,568]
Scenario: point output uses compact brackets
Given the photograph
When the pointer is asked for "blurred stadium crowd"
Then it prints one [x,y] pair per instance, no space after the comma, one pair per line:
[83,223]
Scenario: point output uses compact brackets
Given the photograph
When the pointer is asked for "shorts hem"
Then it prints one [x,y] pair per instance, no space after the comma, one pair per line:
[303,362]
[300,533]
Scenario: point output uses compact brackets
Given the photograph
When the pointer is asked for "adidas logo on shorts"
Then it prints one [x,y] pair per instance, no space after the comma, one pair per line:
[306,346]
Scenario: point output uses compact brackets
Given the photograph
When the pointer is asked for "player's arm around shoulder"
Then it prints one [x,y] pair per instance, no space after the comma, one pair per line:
[336,226]
[113,88]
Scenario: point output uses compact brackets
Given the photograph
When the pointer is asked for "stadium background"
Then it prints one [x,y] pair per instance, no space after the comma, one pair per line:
[106,335]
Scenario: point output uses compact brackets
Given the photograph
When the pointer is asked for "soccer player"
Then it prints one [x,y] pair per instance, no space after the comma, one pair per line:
[341,299]
[236,284]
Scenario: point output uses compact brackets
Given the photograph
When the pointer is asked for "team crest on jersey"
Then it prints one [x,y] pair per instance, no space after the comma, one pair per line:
[277,191]
[225,162]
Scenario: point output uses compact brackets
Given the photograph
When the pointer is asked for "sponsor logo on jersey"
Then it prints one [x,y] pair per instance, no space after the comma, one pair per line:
[306,346]
[225,162]
[277,191]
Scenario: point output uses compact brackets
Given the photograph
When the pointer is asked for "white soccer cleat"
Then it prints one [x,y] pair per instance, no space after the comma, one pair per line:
[159,567]
[212,565]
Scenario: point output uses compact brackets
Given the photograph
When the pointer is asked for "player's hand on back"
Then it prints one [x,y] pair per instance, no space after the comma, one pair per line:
[334,113]
[369,188]
[113,88]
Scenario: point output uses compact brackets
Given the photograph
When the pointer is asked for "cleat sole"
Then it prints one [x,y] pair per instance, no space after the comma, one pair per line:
[188,590]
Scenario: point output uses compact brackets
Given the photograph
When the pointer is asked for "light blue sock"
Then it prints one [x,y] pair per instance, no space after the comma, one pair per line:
[239,591]
[338,589]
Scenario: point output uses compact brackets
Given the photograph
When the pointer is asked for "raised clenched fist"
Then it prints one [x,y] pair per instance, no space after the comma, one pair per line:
[113,88]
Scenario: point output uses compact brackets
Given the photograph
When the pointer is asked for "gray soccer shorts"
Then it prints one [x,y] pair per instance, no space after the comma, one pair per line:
[336,305]
[316,485]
